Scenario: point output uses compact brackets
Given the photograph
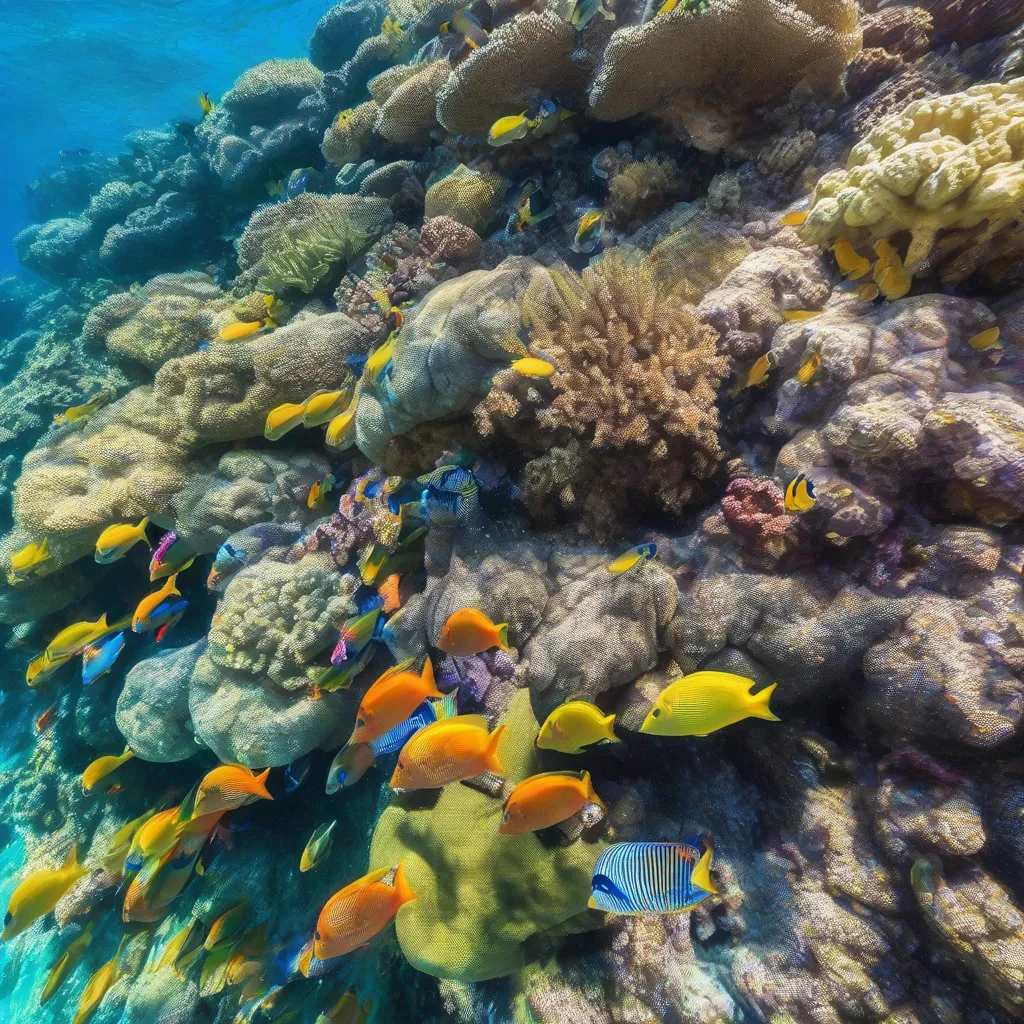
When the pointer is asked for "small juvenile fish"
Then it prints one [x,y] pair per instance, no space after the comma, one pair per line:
[322,406]
[82,412]
[808,369]
[342,675]
[28,558]
[867,291]
[583,10]
[626,561]
[986,341]
[355,634]
[228,927]
[507,130]
[102,767]
[36,895]
[350,764]
[227,561]
[758,373]
[651,878]
[205,102]
[794,219]
[429,711]
[547,799]
[228,787]
[448,751]
[355,914]
[295,773]
[318,847]
[704,702]
[117,540]
[391,699]
[61,970]
[796,315]
[850,262]
[100,984]
[158,608]
[800,496]
[45,720]
[574,726]
[466,24]
[282,419]
[588,232]
[468,632]
[99,658]
[533,367]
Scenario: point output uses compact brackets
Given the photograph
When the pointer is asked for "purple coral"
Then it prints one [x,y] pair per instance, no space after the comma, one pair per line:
[756,515]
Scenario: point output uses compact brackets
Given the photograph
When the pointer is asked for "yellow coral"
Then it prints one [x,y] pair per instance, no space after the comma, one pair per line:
[469,197]
[349,134]
[947,163]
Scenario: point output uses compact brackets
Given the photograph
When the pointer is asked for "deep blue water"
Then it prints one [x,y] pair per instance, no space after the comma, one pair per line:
[84,73]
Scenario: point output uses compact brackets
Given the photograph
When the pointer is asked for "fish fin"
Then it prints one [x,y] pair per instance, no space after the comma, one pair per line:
[759,704]
[592,903]
[701,874]
[491,762]
[401,885]
[122,623]
[427,676]
[609,725]
[171,586]
[592,796]
[142,531]
[71,860]
[260,784]
[449,706]
[502,629]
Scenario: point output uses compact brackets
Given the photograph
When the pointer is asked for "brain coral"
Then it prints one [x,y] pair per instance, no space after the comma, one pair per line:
[709,67]
[944,164]
[249,694]
[298,243]
[480,895]
[632,402]
[469,196]
[269,91]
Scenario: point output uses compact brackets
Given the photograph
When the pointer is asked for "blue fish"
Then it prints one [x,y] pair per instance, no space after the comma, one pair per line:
[450,497]
[651,878]
[295,774]
[228,560]
[99,658]
[429,711]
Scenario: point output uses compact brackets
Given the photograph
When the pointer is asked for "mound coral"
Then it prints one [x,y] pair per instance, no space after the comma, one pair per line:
[633,395]
[297,244]
[482,895]
[942,168]
[709,67]
[407,113]
[348,136]
[267,92]
[467,196]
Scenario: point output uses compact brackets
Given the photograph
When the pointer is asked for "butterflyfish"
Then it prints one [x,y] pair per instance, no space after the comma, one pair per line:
[102,767]
[547,799]
[468,631]
[651,878]
[704,702]
[117,540]
[448,751]
[808,369]
[758,373]
[391,699]
[574,726]
[588,232]
[626,561]
[800,496]
[37,894]
[318,847]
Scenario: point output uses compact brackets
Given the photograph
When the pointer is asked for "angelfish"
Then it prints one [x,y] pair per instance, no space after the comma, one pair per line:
[318,847]
[651,878]
[588,232]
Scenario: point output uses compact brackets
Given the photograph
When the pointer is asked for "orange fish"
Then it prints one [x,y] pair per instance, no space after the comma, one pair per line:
[355,914]
[392,699]
[228,787]
[45,720]
[145,607]
[545,800]
[469,631]
[391,591]
[448,751]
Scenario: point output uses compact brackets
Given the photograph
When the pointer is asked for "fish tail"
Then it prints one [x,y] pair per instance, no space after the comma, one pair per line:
[122,623]
[491,762]
[71,860]
[44,549]
[427,676]
[259,784]
[403,891]
[609,729]
[171,586]
[502,629]
[759,704]
[592,797]
[609,15]
[141,528]
[701,874]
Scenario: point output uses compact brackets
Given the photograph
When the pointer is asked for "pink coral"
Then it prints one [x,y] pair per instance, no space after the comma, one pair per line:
[756,515]
[444,240]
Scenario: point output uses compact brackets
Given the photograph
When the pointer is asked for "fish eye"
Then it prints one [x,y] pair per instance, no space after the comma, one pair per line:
[342,776]
[656,713]
[360,723]
[401,767]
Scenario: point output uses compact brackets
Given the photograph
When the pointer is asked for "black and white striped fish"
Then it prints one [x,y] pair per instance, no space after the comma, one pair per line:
[651,878]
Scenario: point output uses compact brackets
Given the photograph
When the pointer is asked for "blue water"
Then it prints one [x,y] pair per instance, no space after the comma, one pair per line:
[84,73]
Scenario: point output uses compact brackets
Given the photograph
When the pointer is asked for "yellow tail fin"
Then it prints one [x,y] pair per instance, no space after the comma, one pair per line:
[502,629]
[609,727]
[71,860]
[759,704]
[142,531]
[701,874]
[491,762]
[401,885]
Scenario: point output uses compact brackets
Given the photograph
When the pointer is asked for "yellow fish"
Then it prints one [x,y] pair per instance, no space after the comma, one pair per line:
[274,188]
[588,232]
[41,667]
[344,118]
[893,282]
[84,411]
[60,971]
[794,219]
[378,361]
[758,373]
[667,7]
[808,369]
[318,847]
[986,341]
[117,540]
[120,844]
[244,329]
[205,102]
[322,406]
[626,561]
[867,292]
[181,952]
[704,702]
[103,766]
[800,496]
[850,262]
[575,725]
[150,601]
[40,892]
[533,367]
[794,315]
[228,927]
[282,419]
[341,431]
[99,984]
[31,555]
[75,638]
[511,129]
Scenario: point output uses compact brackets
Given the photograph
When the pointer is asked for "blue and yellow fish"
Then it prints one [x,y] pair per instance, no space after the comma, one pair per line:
[800,496]
[466,24]
[450,497]
[99,657]
[226,562]
[626,561]
[652,878]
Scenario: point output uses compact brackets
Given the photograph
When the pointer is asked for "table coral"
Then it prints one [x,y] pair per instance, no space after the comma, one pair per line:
[338,33]
[478,901]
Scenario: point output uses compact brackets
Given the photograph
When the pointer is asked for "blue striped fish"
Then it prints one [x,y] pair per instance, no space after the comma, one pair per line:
[450,497]
[651,878]
[429,711]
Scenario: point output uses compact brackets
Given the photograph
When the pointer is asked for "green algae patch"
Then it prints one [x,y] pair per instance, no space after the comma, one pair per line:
[481,895]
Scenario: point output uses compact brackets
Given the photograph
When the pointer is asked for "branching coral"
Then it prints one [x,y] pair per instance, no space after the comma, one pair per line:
[641,190]
[634,387]
[709,67]
[940,169]
[297,244]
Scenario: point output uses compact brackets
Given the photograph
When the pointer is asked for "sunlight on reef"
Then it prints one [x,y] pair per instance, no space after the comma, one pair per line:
[518,518]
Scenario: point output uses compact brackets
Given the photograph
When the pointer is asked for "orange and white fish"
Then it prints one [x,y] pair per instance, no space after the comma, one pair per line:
[446,751]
